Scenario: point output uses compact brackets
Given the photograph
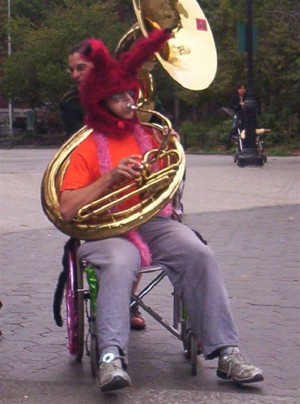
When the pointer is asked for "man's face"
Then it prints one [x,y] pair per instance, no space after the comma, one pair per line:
[78,67]
[119,104]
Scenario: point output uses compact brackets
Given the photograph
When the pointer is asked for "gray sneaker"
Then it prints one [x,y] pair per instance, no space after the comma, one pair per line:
[112,376]
[234,366]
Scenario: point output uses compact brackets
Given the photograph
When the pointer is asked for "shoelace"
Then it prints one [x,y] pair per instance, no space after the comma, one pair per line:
[235,359]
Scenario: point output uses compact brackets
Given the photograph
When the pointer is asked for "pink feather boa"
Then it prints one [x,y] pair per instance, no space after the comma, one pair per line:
[103,151]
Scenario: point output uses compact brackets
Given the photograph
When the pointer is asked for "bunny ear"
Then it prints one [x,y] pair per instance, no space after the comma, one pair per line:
[144,48]
[111,76]
[96,52]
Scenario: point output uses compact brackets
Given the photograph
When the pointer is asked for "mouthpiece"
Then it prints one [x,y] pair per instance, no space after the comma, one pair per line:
[132,106]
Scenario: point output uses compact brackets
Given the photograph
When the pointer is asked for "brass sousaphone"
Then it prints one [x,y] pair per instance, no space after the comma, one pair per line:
[190,58]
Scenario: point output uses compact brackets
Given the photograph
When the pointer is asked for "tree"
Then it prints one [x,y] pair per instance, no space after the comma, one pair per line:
[44,30]
[276,64]
[278,73]
[35,72]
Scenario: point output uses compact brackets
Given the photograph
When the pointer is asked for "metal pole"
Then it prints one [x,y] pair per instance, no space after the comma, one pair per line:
[250,103]
[10,107]
[250,44]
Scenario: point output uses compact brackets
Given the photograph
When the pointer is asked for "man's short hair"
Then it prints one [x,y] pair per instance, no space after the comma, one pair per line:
[78,48]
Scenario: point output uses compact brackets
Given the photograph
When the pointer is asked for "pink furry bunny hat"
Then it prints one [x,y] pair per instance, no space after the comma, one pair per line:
[111,76]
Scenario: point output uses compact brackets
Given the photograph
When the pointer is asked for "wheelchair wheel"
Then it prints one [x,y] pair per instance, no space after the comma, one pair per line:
[94,355]
[74,306]
[80,307]
[193,348]
[189,340]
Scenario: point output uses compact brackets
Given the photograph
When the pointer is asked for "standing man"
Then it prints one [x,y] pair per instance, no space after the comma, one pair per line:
[70,107]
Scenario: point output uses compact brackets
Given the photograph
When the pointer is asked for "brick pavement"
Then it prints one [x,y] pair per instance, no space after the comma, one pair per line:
[259,252]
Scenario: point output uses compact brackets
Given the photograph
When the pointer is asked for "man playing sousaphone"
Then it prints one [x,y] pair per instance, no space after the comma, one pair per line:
[110,155]
[73,119]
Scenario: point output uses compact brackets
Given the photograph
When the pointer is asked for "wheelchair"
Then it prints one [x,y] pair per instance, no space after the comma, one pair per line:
[79,285]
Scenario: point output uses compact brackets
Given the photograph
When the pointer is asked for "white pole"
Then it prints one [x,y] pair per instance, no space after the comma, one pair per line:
[10,107]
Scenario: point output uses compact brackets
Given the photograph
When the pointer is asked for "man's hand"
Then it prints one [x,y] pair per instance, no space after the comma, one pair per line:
[128,168]
[158,136]
[71,201]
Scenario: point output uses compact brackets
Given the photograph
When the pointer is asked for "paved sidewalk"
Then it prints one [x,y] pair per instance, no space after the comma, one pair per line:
[253,227]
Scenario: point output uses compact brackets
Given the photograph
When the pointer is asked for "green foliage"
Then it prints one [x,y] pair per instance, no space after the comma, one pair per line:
[35,11]
[44,30]
[276,64]
[205,136]
[38,63]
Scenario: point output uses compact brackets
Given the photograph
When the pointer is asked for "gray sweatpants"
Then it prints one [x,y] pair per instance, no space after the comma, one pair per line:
[191,268]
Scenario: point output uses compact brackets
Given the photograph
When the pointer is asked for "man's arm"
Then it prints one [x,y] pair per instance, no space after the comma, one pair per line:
[72,200]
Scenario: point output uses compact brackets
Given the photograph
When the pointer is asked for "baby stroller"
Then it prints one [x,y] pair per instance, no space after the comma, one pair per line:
[237,136]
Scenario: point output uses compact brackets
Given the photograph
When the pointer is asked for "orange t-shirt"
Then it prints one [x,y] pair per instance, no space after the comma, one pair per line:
[84,165]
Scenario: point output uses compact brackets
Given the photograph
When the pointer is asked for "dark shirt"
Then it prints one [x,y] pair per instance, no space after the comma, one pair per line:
[238,110]
[235,103]
[71,112]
